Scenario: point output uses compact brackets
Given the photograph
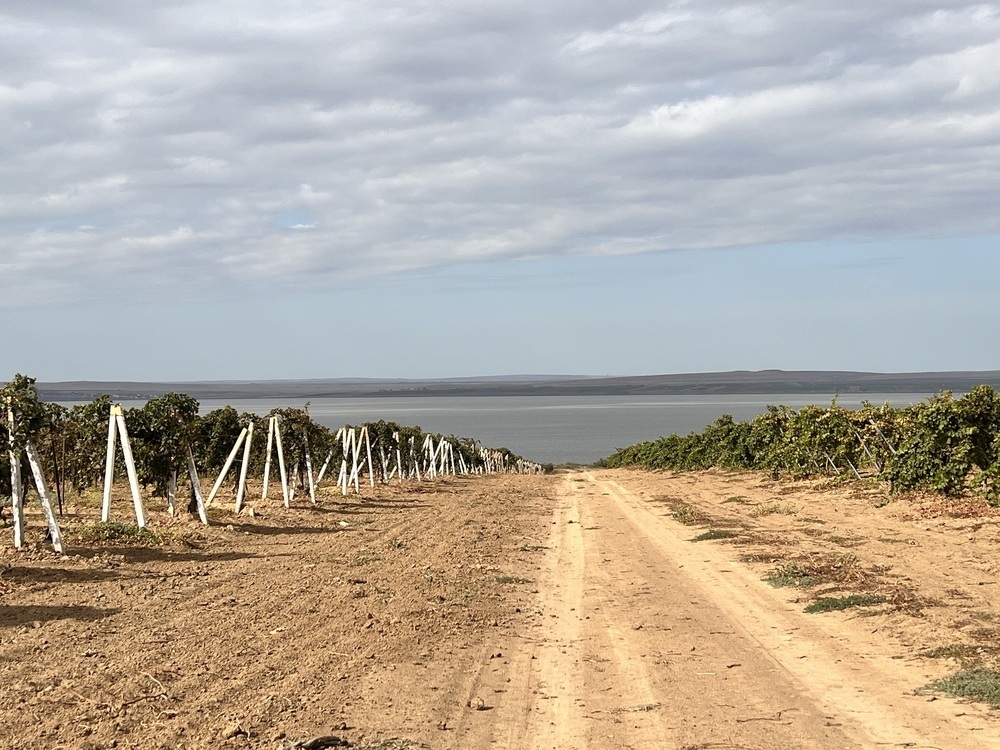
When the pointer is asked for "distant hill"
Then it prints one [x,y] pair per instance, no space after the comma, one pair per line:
[759,382]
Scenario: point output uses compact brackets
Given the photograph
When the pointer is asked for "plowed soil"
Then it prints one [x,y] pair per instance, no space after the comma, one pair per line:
[582,609]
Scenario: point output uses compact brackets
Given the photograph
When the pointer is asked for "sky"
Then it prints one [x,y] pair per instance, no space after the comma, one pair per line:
[248,190]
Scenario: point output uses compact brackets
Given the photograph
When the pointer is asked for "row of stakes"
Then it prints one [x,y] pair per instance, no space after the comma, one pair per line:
[438,459]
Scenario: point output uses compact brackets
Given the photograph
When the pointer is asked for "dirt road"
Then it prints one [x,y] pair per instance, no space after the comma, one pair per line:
[649,641]
[569,611]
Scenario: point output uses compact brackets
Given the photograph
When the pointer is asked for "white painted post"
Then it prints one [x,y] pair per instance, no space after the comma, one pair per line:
[225,466]
[267,459]
[241,492]
[281,464]
[384,460]
[323,469]
[109,466]
[354,459]
[309,469]
[399,457]
[368,448]
[172,494]
[428,450]
[196,485]
[133,477]
[416,463]
[16,486]
[35,461]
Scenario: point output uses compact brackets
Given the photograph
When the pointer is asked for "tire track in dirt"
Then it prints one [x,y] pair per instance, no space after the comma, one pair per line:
[644,640]
[804,656]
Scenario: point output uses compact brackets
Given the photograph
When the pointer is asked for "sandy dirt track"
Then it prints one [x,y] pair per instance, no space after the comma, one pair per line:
[568,611]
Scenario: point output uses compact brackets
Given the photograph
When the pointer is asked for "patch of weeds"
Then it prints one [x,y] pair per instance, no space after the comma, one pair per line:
[895,540]
[90,498]
[532,547]
[987,635]
[771,509]
[975,683]
[685,515]
[903,599]
[714,534]
[845,541]
[820,521]
[983,616]
[952,651]
[736,499]
[835,604]
[116,534]
[791,575]
[395,544]
[845,569]
[511,579]
[765,556]
[393,744]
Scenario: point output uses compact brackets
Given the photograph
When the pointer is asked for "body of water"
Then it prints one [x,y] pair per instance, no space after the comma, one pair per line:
[552,429]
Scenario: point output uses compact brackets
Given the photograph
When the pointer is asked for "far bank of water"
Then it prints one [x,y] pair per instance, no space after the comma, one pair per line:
[554,429]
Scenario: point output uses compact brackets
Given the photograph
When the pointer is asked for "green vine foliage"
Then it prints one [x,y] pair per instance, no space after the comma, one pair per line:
[944,444]
[73,442]
[161,433]
[85,432]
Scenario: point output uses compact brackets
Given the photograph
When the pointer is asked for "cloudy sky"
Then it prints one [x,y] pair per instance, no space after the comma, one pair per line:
[198,190]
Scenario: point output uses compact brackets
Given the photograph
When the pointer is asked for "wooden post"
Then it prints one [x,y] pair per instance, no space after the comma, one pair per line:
[384,460]
[295,480]
[354,459]
[416,463]
[172,494]
[399,458]
[323,468]
[241,492]
[225,467]
[368,448]
[853,468]
[35,461]
[109,466]
[133,477]
[196,486]
[281,464]
[887,443]
[16,486]
[429,468]
[309,468]
[267,459]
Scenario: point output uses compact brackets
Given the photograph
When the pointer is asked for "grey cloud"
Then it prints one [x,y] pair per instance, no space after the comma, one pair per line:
[163,146]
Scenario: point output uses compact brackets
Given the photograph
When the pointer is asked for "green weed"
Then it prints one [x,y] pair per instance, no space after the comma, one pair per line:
[116,534]
[714,534]
[834,604]
[975,683]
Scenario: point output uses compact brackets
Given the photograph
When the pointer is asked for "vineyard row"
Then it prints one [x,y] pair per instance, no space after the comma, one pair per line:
[944,444]
[166,443]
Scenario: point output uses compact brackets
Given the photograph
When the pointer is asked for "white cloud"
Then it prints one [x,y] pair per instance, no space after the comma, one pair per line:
[161,147]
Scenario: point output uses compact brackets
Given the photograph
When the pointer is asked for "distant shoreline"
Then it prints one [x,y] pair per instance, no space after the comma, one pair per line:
[689,384]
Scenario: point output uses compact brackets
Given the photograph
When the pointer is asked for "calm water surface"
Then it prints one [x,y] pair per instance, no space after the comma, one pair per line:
[556,429]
